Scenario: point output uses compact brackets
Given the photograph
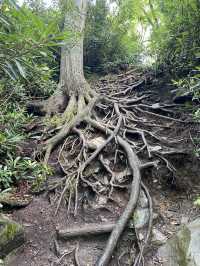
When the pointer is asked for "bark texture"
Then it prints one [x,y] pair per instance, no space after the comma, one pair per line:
[72,78]
[72,83]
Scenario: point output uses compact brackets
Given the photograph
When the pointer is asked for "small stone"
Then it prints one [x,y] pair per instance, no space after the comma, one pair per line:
[142,201]
[96,142]
[158,238]
[141,218]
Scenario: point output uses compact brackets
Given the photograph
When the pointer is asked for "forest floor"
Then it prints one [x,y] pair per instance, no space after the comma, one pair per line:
[172,180]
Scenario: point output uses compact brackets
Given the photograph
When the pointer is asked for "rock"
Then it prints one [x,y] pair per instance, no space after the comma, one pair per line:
[141,217]
[141,214]
[142,201]
[181,99]
[14,200]
[95,143]
[184,248]
[11,235]
[158,238]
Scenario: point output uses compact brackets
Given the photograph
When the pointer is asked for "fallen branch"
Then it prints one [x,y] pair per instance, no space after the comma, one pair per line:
[86,230]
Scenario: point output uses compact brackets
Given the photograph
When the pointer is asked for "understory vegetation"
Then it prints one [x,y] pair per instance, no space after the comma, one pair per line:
[27,67]
[131,49]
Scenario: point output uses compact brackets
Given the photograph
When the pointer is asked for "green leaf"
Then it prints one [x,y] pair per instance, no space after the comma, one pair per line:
[43,53]
[20,69]
[197,202]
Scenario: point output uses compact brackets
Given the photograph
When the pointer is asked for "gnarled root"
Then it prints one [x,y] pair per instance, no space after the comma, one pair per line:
[134,127]
[73,115]
[134,164]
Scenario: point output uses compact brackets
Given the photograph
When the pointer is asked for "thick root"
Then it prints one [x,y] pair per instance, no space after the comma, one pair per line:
[75,113]
[133,127]
[135,189]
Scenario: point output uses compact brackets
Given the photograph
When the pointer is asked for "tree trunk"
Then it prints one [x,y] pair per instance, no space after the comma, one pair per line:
[73,90]
[72,80]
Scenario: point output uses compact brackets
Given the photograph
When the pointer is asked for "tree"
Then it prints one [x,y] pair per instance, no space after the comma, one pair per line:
[72,79]
[74,96]
[75,99]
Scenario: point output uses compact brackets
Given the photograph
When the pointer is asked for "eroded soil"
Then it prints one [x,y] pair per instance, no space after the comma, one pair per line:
[173,194]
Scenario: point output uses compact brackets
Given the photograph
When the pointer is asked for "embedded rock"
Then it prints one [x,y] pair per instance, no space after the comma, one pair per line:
[184,248]
[11,235]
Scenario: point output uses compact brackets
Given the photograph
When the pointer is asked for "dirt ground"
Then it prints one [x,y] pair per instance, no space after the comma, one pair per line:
[173,205]
[40,223]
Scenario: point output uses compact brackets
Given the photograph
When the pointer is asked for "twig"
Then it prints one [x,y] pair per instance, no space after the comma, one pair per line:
[64,255]
[76,255]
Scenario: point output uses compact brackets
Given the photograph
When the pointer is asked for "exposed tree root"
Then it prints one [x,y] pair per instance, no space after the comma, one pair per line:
[134,164]
[86,230]
[130,127]
[77,117]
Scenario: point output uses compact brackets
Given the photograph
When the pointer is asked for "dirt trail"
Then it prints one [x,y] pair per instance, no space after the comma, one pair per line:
[173,184]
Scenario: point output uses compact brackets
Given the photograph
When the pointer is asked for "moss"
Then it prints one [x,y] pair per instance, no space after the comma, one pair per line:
[9,232]
[11,236]
[55,120]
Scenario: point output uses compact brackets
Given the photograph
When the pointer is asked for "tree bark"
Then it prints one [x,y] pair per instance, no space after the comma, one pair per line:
[72,80]
[72,87]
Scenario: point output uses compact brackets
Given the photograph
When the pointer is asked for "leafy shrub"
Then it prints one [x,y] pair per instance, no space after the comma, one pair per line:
[13,168]
[108,42]
[175,40]
[41,84]
[26,39]
[9,141]
[17,168]
[28,43]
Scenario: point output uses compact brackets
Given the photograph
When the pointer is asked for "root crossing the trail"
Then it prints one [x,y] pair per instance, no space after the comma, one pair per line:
[109,137]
